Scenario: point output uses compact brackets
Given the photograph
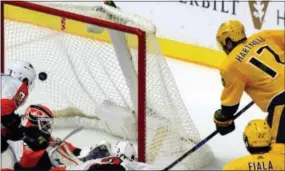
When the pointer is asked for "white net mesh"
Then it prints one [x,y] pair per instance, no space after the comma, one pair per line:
[83,72]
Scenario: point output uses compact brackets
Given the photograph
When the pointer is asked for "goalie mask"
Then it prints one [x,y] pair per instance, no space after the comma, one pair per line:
[124,149]
[37,126]
[38,117]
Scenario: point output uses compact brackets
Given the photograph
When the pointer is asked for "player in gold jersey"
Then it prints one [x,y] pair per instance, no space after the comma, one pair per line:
[263,156]
[255,65]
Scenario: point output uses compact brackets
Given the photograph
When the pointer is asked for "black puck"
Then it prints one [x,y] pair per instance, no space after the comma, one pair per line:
[42,76]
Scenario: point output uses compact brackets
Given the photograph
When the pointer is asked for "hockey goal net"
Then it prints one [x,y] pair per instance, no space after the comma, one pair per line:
[101,68]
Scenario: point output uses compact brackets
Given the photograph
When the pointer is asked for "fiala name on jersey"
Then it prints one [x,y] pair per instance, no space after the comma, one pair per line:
[260,166]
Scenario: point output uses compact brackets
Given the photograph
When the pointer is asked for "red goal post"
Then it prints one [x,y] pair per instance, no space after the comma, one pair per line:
[112,78]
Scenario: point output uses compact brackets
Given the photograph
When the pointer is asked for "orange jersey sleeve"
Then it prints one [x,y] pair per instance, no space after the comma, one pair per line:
[30,158]
[9,105]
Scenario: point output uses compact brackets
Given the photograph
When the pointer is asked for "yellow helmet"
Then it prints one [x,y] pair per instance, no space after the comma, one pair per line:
[232,29]
[257,134]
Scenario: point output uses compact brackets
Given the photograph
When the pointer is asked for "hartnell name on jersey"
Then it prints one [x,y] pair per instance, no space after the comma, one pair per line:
[242,54]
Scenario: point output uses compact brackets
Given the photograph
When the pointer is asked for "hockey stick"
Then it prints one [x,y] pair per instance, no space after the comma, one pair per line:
[68,155]
[197,146]
[65,138]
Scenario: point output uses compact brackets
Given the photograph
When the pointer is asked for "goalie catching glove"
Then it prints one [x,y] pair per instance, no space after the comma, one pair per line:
[224,122]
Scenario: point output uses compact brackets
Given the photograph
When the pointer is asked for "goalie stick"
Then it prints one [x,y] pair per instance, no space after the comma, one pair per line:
[65,138]
[68,155]
[200,144]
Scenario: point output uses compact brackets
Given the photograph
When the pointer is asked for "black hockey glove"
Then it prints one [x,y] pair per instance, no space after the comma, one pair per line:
[36,139]
[13,124]
[15,134]
[224,123]
[98,152]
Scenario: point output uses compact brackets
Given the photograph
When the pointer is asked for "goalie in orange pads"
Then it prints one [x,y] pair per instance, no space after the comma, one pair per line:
[32,153]
[255,65]
[257,138]
[35,151]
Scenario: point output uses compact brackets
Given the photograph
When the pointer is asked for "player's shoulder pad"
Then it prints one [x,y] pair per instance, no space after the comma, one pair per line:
[265,34]
[260,33]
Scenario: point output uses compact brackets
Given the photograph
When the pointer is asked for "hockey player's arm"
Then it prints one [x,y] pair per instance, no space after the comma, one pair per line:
[10,120]
[231,95]
[233,89]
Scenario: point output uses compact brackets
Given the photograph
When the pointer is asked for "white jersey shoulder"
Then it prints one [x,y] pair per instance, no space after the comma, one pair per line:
[10,86]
